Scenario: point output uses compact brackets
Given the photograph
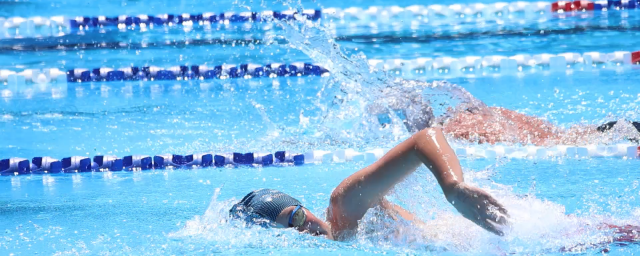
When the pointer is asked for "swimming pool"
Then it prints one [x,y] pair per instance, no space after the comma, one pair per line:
[555,201]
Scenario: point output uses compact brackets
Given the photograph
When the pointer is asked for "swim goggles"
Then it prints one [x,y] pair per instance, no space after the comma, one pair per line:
[297,217]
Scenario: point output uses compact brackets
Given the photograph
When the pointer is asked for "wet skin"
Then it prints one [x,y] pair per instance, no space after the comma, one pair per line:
[367,188]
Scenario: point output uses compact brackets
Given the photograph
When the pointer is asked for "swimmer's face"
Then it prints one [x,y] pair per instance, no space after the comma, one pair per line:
[304,221]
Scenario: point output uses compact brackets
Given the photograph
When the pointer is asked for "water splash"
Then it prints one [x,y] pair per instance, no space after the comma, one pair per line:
[538,226]
[361,92]
[214,227]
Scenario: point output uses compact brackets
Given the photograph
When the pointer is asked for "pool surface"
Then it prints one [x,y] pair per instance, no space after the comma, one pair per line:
[349,56]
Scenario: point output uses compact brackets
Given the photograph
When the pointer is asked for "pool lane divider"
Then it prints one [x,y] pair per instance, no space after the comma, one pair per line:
[21,27]
[153,73]
[102,163]
[507,65]
[40,165]
[441,66]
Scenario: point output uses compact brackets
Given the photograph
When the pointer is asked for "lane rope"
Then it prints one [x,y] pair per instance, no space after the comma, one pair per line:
[21,27]
[506,65]
[154,73]
[436,67]
[102,163]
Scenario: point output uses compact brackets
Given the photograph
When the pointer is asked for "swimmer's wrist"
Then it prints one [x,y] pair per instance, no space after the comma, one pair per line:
[452,189]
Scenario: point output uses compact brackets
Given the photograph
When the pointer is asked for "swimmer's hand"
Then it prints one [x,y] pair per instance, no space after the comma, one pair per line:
[478,206]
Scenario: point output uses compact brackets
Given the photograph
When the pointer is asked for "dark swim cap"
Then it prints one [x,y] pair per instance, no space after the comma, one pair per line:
[262,206]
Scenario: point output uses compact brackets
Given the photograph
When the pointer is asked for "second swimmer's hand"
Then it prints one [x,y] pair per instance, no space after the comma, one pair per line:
[478,206]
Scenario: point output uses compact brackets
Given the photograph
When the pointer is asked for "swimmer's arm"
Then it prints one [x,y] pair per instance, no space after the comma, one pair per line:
[365,188]
[473,203]
[397,211]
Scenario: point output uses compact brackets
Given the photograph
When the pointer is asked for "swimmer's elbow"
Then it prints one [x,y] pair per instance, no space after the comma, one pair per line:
[437,131]
[339,208]
[334,211]
[336,197]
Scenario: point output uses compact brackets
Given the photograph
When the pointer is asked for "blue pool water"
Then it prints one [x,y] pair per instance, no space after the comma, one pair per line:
[555,203]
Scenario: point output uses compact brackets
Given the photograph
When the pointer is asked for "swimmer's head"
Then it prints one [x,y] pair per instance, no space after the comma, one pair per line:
[272,208]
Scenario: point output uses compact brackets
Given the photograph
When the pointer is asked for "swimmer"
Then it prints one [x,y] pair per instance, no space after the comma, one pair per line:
[504,125]
[368,187]
[472,120]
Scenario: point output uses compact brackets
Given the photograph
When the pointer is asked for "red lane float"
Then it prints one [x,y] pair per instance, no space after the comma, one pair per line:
[562,6]
[566,6]
[635,58]
[583,5]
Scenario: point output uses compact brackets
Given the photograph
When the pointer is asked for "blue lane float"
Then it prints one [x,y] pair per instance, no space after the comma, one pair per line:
[45,165]
[201,72]
[76,164]
[14,166]
[107,163]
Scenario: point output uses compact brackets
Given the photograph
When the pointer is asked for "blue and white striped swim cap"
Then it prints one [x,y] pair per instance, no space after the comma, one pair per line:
[262,206]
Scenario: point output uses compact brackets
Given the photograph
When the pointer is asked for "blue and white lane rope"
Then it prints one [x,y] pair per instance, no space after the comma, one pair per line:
[507,65]
[436,67]
[41,165]
[20,27]
[153,73]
